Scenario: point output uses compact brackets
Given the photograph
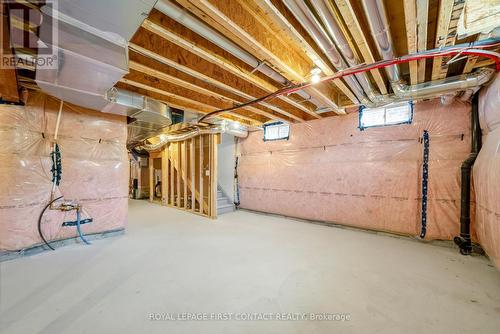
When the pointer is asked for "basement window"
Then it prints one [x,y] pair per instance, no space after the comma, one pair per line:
[392,114]
[276,131]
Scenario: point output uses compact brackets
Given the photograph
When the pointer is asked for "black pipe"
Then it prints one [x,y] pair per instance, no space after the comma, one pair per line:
[40,222]
[464,240]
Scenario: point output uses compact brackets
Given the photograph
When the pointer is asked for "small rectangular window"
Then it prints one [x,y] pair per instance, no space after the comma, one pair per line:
[392,114]
[276,131]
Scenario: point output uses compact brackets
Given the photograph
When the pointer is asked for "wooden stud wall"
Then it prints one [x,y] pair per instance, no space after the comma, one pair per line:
[189,174]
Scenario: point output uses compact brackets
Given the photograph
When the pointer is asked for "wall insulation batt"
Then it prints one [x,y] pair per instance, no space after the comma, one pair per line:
[486,172]
[331,171]
[94,170]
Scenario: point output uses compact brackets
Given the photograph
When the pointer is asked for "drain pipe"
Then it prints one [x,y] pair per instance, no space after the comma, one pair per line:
[183,17]
[340,40]
[464,240]
[306,18]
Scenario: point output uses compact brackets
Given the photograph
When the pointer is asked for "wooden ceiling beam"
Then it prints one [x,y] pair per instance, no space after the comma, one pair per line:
[449,14]
[410,9]
[239,22]
[422,22]
[171,54]
[351,20]
[178,102]
[200,89]
[295,35]
[271,109]
[161,25]
[192,94]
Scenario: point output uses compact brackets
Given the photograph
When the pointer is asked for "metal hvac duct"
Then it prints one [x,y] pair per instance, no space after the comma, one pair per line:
[147,117]
[89,43]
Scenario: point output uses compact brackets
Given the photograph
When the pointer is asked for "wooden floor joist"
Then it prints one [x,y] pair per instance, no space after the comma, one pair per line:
[211,80]
[200,89]
[237,22]
[422,20]
[184,38]
[360,38]
[410,9]
[208,102]
[181,102]
[449,14]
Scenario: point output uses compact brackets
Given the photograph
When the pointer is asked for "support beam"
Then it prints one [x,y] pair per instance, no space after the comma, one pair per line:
[449,14]
[422,21]
[199,87]
[192,163]
[176,101]
[177,34]
[209,102]
[410,9]
[352,22]
[171,172]
[214,140]
[151,179]
[184,173]
[202,75]
[202,174]
[164,175]
[178,55]
[239,23]
[179,173]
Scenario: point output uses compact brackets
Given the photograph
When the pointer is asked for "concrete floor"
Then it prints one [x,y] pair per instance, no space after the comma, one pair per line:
[171,262]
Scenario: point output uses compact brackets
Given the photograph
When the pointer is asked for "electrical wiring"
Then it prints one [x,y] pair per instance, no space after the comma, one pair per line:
[40,222]
[472,49]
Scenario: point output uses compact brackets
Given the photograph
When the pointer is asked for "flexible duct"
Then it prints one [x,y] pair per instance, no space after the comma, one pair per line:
[340,40]
[306,18]
[183,17]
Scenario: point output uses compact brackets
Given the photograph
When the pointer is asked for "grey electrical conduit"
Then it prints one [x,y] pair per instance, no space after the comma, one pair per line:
[181,16]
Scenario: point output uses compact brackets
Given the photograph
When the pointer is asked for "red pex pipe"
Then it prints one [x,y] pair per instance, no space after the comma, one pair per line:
[476,51]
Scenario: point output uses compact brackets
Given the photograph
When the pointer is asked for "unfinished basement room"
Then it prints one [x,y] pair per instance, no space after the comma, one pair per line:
[250,166]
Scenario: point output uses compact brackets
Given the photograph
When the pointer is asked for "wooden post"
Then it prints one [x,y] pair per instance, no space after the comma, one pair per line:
[179,174]
[192,166]
[151,179]
[213,176]
[184,173]
[164,175]
[172,174]
[202,174]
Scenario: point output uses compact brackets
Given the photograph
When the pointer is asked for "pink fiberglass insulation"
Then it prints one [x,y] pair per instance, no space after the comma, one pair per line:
[331,171]
[94,170]
[486,173]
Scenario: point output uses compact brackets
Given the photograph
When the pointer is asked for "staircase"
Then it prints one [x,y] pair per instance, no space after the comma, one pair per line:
[224,203]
